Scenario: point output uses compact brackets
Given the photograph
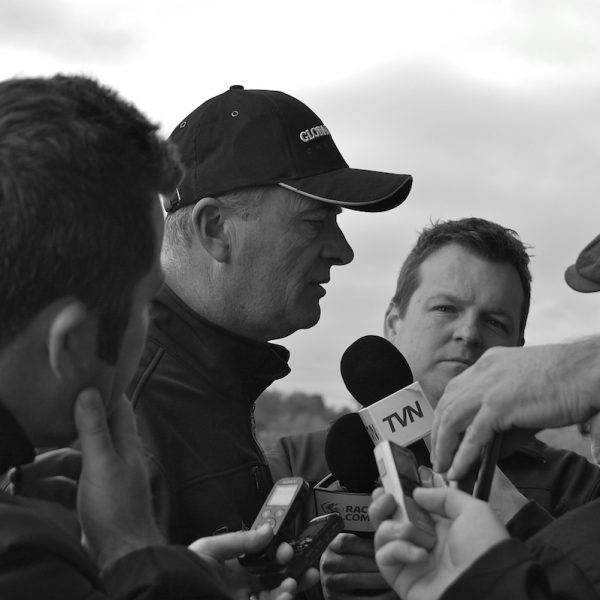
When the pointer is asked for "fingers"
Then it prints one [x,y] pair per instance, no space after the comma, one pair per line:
[400,551]
[382,508]
[348,543]
[63,462]
[393,545]
[231,545]
[430,479]
[450,421]
[285,591]
[378,491]
[310,578]
[123,427]
[92,428]
[445,502]
[477,435]
[284,553]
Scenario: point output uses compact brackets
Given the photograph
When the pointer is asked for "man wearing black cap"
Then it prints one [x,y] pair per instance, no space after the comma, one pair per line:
[250,238]
[80,234]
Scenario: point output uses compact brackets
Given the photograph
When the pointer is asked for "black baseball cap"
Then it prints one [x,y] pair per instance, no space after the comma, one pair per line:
[244,138]
[584,275]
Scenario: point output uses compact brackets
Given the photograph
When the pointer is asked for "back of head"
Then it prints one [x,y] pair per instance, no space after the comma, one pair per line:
[483,238]
[79,171]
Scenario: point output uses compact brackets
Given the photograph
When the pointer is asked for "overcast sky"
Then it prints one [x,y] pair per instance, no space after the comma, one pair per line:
[491,105]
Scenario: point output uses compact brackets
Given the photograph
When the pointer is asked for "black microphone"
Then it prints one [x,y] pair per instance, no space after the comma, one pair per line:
[349,454]
[394,407]
[373,368]
[354,474]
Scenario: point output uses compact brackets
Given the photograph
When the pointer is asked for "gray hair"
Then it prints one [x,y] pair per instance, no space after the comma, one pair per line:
[179,229]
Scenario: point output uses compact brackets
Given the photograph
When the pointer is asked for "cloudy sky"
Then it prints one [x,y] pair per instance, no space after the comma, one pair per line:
[492,105]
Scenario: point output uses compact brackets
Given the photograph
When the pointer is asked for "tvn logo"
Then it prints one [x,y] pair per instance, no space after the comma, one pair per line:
[409,414]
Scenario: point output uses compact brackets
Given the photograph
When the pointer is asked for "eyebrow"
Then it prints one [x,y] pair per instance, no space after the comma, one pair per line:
[455,299]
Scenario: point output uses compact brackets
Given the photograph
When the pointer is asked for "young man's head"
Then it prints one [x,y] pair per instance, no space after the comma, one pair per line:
[80,237]
[464,287]
[256,214]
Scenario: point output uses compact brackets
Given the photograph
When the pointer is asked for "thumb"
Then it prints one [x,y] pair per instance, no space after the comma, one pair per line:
[426,476]
[90,421]
[231,545]
[446,502]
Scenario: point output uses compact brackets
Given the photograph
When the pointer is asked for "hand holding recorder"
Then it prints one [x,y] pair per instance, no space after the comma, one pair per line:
[279,512]
[465,528]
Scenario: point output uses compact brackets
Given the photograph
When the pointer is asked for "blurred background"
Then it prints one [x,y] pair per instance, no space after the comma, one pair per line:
[492,106]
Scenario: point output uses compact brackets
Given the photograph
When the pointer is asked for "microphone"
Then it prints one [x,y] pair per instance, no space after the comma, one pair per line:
[354,474]
[349,454]
[373,368]
[378,376]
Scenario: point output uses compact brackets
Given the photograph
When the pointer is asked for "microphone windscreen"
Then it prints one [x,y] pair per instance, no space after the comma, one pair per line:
[373,368]
[349,454]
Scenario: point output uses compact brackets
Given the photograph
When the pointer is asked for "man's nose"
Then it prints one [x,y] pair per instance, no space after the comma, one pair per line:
[467,330]
[337,249]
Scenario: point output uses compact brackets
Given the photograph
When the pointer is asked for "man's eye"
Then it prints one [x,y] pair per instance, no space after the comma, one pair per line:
[498,325]
[445,308]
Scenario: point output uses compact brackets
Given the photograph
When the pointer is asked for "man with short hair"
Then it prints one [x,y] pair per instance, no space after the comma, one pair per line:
[464,287]
[80,237]
[536,387]
[251,237]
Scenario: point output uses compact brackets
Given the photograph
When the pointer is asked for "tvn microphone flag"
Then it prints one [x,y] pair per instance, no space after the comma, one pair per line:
[379,378]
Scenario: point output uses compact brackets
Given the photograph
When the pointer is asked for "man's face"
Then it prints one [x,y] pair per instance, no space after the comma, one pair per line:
[463,305]
[282,260]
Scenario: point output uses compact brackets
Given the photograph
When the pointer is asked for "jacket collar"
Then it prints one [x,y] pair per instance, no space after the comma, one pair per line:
[15,447]
[208,346]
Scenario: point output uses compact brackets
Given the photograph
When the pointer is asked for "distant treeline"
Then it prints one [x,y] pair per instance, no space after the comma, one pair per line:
[278,414]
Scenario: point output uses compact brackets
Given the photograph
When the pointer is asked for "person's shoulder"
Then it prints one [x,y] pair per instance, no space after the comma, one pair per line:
[560,480]
[27,528]
[299,455]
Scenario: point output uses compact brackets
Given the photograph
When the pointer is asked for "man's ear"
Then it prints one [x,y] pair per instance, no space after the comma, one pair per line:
[72,340]
[392,322]
[209,222]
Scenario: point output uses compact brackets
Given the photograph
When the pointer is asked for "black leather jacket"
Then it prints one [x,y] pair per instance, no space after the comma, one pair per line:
[194,395]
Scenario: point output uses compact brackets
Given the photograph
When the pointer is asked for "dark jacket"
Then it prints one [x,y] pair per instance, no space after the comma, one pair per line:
[557,480]
[505,572]
[562,561]
[40,557]
[194,394]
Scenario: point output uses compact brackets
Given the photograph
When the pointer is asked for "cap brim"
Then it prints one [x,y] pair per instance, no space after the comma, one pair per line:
[578,283]
[357,189]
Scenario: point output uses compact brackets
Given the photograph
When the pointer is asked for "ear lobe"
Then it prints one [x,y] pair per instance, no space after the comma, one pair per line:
[69,340]
[391,322]
[209,223]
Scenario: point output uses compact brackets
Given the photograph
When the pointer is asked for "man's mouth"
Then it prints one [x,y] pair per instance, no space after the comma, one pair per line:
[461,360]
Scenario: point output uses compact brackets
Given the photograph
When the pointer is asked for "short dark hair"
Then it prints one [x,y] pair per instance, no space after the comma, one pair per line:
[483,238]
[79,171]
